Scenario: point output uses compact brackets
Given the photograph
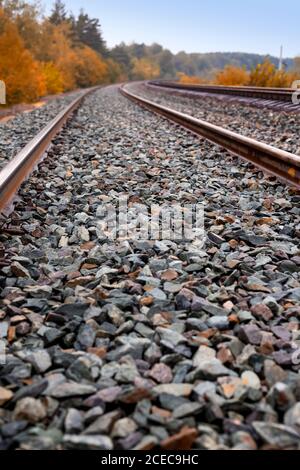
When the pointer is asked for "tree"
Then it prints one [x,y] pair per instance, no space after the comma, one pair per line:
[88,32]
[144,69]
[297,66]
[120,55]
[266,75]
[234,76]
[58,14]
[56,46]
[90,69]
[165,60]
[186,79]
[115,72]
[22,75]
[53,78]
[262,74]
[26,18]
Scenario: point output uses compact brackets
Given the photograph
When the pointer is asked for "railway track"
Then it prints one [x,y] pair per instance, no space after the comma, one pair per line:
[147,344]
[272,98]
[279,163]
[18,168]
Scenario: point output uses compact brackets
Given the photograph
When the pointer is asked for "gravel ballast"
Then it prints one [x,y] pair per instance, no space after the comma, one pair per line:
[127,344]
[18,131]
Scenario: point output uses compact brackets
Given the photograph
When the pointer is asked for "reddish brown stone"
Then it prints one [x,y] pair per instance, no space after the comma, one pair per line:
[11,334]
[80,281]
[159,319]
[209,333]
[233,243]
[233,318]
[89,266]
[110,394]
[100,352]
[169,275]
[73,275]
[5,395]
[183,440]
[224,355]
[266,345]
[135,396]
[160,412]
[262,311]
[266,221]
[161,373]
[17,319]
[87,246]
[148,300]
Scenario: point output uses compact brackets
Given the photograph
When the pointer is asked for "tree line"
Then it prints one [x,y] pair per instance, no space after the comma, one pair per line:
[265,74]
[42,55]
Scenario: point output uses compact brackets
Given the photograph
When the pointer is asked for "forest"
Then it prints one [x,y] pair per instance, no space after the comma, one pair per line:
[43,55]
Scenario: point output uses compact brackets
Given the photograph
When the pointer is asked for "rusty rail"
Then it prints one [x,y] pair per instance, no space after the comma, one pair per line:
[276,94]
[17,169]
[278,162]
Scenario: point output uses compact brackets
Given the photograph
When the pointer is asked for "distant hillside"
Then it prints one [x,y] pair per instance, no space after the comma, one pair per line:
[201,64]
[198,63]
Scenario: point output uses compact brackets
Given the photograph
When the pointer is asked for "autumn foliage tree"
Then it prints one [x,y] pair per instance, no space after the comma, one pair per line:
[266,75]
[53,78]
[232,76]
[89,68]
[263,75]
[22,74]
[144,69]
[41,55]
[190,80]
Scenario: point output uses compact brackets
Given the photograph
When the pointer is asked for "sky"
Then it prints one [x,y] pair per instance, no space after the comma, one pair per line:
[257,26]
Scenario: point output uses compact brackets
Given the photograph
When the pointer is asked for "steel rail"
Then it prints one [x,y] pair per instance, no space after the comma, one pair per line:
[278,162]
[18,169]
[277,94]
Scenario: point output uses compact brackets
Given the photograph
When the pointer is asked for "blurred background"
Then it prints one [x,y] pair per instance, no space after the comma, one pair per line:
[50,47]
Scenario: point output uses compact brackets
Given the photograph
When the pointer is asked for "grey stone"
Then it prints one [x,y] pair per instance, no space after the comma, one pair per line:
[96,442]
[73,421]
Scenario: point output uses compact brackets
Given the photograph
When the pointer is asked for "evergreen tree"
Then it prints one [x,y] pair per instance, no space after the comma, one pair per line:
[58,14]
[88,32]
[121,56]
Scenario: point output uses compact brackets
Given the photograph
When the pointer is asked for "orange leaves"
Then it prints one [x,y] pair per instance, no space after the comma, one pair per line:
[115,72]
[39,58]
[267,75]
[21,73]
[53,78]
[263,75]
[90,69]
[144,69]
[186,79]
[234,76]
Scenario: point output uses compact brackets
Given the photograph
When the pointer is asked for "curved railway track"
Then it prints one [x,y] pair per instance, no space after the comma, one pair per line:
[278,162]
[274,98]
[267,93]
